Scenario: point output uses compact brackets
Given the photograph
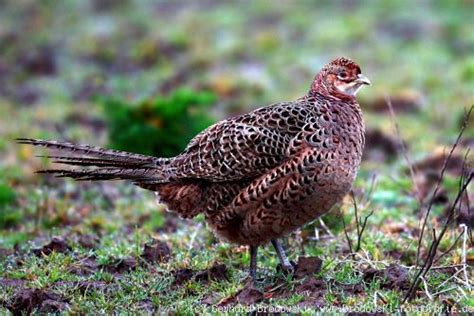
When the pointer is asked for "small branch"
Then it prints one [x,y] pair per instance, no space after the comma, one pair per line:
[360,225]
[354,203]
[349,242]
[425,284]
[449,249]
[364,225]
[371,188]
[464,257]
[438,184]
[403,147]
[464,183]
[323,225]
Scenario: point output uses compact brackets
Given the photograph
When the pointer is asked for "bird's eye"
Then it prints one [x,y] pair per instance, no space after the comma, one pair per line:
[342,75]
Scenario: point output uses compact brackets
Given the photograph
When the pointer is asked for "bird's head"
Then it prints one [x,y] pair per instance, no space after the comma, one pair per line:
[340,78]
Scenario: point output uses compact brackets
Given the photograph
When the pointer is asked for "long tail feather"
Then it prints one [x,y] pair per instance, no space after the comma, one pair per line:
[98,162]
[86,150]
[104,174]
[103,164]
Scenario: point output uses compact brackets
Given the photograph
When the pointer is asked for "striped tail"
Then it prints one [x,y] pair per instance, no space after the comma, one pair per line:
[98,163]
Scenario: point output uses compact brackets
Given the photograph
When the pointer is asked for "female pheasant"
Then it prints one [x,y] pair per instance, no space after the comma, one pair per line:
[257,176]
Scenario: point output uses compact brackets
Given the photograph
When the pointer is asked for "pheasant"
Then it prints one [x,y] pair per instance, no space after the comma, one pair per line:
[256,177]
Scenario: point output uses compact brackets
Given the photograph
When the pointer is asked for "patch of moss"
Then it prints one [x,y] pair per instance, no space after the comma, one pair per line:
[160,127]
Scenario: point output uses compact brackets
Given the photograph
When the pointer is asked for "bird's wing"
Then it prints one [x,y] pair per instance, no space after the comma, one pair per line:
[242,147]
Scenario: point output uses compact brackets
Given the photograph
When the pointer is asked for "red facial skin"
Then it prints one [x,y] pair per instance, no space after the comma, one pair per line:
[338,72]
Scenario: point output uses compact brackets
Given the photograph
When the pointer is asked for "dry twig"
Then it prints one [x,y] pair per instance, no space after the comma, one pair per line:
[464,182]
[438,184]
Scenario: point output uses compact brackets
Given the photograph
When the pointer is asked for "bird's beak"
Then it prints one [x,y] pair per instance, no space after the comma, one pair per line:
[363,79]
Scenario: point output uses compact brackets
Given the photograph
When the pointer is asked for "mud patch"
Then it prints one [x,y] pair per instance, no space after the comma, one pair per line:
[56,244]
[84,267]
[380,147]
[146,305]
[307,266]
[407,101]
[393,277]
[434,163]
[156,252]
[119,266]
[88,241]
[217,272]
[248,295]
[16,283]
[44,301]
[182,276]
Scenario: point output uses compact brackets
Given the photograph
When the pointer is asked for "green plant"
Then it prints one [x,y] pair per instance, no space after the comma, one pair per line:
[159,127]
[8,215]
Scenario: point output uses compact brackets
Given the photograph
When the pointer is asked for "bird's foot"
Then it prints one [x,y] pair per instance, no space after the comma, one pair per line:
[287,268]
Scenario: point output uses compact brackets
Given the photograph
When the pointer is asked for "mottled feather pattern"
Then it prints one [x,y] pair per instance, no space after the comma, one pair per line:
[257,176]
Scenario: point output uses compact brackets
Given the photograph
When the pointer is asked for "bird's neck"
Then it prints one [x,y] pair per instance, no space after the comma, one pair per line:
[319,86]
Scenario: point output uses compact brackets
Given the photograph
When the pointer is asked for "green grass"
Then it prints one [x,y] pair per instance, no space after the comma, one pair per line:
[247,56]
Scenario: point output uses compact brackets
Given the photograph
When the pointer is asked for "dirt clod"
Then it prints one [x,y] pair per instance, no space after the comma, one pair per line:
[248,295]
[88,241]
[52,306]
[56,244]
[5,253]
[183,275]
[433,164]
[215,273]
[407,101]
[84,267]
[146,305]
[392,277]
[38,60]
[307,266]
[119,266]
[156,252]
[379,146]
[27,300]
[12,283]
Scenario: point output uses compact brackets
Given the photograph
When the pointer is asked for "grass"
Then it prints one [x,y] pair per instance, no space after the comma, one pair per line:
[195,248]
[248,57]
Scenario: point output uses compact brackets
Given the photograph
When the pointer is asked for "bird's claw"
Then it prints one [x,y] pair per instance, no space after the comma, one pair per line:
[286,269]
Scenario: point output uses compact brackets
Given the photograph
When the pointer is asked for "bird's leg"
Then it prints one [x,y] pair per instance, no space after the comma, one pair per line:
[253,262]
[284,262]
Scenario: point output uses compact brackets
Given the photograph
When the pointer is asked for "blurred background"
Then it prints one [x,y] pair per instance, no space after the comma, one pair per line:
[146,76]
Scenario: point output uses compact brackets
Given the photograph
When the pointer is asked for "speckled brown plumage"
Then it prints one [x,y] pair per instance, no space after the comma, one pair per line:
[257,176]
